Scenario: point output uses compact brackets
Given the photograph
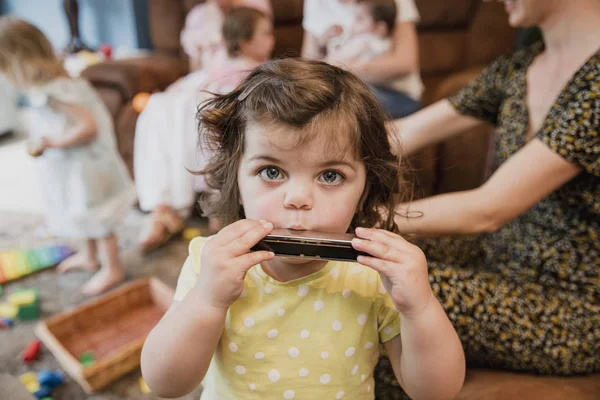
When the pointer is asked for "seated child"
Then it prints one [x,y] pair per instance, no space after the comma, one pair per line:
[166,130]
[201,36]
[370,37]
[302,145]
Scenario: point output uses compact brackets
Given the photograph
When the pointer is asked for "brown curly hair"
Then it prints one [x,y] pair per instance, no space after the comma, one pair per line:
[310,97]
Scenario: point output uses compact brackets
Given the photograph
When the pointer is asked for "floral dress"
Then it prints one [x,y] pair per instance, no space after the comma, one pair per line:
[527,297]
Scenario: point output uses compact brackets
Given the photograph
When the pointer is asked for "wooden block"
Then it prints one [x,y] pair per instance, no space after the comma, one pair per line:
[24,297]
[8,310]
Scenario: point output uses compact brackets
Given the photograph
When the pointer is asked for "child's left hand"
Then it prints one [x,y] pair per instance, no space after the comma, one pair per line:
[401,265]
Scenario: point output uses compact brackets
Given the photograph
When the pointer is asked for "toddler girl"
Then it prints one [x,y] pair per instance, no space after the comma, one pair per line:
[86,186]
[302,145]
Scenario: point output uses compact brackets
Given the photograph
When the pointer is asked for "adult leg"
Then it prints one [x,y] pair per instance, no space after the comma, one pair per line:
[397,104]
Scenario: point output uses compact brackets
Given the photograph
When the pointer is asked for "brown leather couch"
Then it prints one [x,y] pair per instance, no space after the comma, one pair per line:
[457,38]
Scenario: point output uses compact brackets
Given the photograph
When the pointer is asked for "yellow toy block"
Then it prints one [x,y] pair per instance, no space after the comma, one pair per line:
[190,233]
[22,298]
[8,310]
[10,270]
[29,380]
[144,387]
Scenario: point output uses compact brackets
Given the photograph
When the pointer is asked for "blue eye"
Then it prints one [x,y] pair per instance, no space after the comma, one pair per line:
[331,177]
[270,173]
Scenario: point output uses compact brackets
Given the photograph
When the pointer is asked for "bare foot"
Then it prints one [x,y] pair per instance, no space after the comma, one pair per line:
[78,262]
[103,280]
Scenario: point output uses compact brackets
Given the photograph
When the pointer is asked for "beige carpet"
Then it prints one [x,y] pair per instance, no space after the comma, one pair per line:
[60,293]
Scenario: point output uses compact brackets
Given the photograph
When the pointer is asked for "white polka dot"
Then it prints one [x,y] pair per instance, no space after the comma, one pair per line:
[252,386]
[388,330]
[362,319]
[302,290]
[274,375]
[363,377]
[304,334]
[268,290]
[349,351]
[337,326]
[371,280]
[293,352]
[357,269]
[335,272]
[382,289]
[248,322]
[368,345]
[325,379]
[281,312]
[240,370]
[319,305]
[303,372]
[339,395]
[233,347]
[260,355]
[369,388]
[289,394]
[272,334]
[354,370]
[346,293]
[324,355]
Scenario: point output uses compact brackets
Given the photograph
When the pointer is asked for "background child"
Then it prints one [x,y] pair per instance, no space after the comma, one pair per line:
[201,37]
[371,33]
[303,145]
[167,132]
[85,183]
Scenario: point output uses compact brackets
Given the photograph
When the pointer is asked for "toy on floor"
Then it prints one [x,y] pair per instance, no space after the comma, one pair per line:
[6,323]
[143,386]
[190,233]
[43,383]
[27,301]
[32,351]
[15,264]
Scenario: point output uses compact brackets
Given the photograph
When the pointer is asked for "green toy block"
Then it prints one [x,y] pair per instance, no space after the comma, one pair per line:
[87,359]
[29,312]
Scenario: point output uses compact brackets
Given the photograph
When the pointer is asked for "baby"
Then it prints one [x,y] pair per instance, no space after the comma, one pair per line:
[371,32]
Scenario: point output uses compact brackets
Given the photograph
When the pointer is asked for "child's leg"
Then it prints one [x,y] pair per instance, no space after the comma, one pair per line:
[86,259]
[111,272]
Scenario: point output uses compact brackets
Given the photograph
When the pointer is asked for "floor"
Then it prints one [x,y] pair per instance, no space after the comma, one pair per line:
[21,223]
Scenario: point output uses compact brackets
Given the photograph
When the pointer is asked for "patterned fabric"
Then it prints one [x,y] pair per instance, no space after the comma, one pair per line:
[527,297]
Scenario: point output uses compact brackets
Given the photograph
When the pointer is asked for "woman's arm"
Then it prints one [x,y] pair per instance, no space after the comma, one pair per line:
[178,351]
[403,58]
[522,181]
[427,357]
[82,132]
[433,124]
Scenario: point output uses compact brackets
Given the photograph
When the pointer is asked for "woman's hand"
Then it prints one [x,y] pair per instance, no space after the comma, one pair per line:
[401,265]
[227,257]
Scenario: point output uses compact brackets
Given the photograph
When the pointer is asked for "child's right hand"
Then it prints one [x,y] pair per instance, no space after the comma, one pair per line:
[227,257]
[330,33]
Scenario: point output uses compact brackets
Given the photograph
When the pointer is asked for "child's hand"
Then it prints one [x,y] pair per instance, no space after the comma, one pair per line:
[226,258]
[330,33]
[401,265]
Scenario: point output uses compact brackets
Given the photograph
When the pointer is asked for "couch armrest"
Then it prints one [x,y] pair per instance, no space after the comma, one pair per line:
[131,76]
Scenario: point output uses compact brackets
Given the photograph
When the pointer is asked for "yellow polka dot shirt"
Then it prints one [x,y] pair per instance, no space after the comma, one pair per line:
[315,337]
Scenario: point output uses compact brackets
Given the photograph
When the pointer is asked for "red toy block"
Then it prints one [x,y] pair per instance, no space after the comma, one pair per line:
[32,351]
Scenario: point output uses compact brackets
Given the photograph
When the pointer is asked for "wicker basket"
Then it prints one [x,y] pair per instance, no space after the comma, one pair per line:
[112,327]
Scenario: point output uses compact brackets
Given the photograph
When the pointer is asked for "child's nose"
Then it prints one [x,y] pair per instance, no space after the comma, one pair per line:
[298,196]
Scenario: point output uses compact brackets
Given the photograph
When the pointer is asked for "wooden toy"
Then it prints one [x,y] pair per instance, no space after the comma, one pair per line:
[29,380]
[15,264]
[28,303]
[8,310]
[32,351]
[144,387]
[113,327]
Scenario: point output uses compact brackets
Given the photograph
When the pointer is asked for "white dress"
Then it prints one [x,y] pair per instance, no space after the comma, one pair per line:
[87,189]
[166,143]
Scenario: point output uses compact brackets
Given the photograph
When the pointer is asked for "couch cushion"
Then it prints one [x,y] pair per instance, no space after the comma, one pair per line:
[499,385]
